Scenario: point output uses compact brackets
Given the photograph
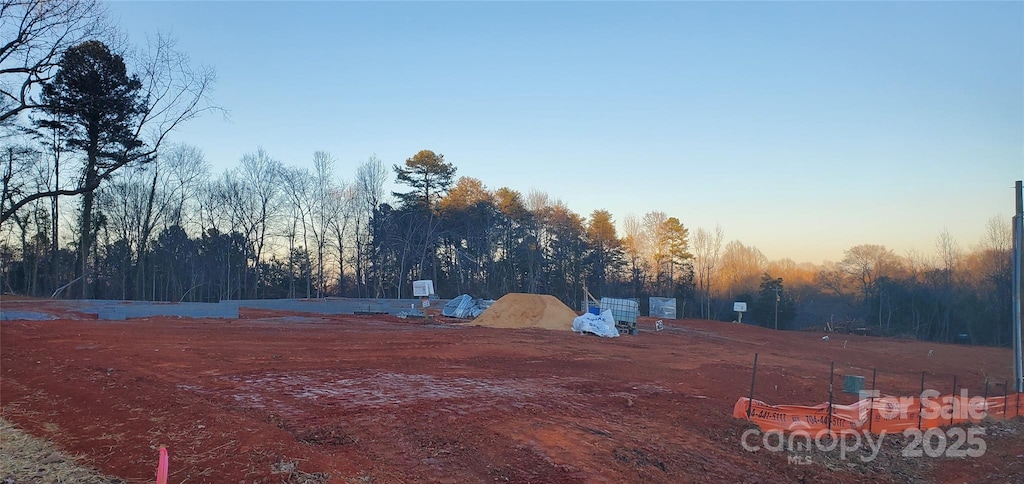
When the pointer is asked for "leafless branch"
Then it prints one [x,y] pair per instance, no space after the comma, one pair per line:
[34,34]
[175,91]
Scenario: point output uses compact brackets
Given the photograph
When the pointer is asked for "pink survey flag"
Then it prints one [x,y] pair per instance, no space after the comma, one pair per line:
[161,468]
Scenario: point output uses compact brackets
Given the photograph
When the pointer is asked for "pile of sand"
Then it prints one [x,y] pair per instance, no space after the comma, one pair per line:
[516,310]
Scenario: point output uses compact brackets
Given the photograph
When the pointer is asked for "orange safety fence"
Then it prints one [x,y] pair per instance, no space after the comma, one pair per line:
[884,413]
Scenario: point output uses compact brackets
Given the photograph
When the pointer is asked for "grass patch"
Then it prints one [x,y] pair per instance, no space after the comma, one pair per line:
[24,458]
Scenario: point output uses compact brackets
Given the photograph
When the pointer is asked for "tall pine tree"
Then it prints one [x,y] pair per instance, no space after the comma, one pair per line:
[429,176]
[98,106]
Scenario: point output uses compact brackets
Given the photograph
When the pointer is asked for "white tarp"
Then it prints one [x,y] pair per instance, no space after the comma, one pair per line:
[603,325]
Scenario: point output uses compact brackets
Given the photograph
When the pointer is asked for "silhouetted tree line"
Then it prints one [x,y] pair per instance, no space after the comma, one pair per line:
[96,204]
[265,230]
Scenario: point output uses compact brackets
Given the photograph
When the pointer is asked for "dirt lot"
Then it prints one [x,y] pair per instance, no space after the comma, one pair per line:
[276,397]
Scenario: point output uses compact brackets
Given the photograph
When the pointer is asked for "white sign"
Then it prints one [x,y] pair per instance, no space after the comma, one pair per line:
[739,307]
[422,288]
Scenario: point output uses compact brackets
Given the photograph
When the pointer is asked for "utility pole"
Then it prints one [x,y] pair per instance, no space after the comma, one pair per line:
[1018,266]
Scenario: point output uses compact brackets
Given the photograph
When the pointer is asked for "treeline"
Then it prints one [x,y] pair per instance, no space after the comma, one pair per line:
[168,230]
[97,205]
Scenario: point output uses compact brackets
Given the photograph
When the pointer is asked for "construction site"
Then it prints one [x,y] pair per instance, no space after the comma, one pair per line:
[348,390]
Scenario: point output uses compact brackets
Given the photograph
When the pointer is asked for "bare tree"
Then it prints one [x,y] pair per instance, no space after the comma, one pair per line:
[832,278]
[146,196]
[949,251]
[998,235]
[707,247]
[35,33]
[656,251]
[123,201]
[158,202]
[16,177]
[174,92]
[187,168]
[142,198]
[325,211]
[370,179]
[537,200]
[950,255]
[297,182]
[215,209]
[867,263]
[989,268]
[538,236]
[222,206]
[871,267]
[741,268]
[635,245]
[340,203]
[30,228]
[368,197]
[258,201]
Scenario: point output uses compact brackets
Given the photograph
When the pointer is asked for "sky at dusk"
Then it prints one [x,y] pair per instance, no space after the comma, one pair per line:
[802,128]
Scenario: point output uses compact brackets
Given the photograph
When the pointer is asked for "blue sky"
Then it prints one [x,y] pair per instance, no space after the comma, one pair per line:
[802,128]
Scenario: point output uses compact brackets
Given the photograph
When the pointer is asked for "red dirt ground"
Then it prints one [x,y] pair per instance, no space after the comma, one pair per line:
[381,399]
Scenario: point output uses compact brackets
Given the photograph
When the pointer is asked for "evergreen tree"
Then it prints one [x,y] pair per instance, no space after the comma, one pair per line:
[428,175]
[96,106]
[605,255]
[772,291]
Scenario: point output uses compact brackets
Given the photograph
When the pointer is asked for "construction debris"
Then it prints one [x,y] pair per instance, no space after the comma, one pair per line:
[466,307]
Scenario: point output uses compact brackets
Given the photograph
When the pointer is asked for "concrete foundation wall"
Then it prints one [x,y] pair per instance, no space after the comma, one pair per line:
[121,310]
[337,305]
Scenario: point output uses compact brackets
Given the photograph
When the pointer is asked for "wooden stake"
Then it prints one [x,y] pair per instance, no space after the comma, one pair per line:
[1006,411]
[952,404]
[871,408]
[753,376]
[831,380]
[920,402]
